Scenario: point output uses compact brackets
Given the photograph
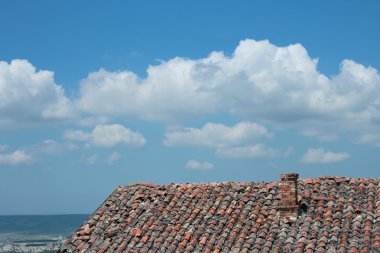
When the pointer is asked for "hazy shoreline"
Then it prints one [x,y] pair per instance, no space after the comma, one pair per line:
[36,233]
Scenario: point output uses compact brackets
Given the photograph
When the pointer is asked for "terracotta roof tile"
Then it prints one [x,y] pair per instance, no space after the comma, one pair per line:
[336,215]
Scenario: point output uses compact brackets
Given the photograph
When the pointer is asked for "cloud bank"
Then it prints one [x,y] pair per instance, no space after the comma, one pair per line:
[260,81]
[279,87]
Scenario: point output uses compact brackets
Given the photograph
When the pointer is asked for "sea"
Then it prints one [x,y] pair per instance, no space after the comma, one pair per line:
[37,233]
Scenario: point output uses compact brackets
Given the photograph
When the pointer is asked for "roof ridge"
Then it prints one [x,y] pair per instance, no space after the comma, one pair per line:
[304,180]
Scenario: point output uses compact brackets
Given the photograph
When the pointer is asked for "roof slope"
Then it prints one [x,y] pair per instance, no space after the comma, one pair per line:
[337,215]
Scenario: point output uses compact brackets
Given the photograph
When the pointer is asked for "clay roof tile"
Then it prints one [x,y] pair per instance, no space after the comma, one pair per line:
[336,215]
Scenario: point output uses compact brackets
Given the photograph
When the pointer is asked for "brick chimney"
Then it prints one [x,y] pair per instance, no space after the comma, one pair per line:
[289,208]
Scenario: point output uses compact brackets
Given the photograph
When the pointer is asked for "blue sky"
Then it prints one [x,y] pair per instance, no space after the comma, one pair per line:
[95,94]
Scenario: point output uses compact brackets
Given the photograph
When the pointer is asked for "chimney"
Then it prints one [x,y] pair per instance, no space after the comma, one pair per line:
[289,208]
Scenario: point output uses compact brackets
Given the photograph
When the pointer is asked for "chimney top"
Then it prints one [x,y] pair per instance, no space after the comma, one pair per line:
[289,208]
[289,177]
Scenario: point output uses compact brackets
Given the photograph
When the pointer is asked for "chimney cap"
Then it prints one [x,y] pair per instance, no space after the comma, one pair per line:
[289,176]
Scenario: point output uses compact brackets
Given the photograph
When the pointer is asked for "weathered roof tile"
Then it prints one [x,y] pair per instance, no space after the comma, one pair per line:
[336,215]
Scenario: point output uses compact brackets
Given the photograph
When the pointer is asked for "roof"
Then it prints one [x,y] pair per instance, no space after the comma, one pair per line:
[336,215]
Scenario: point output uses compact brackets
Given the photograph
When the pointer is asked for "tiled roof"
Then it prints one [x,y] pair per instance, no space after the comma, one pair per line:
[336,215]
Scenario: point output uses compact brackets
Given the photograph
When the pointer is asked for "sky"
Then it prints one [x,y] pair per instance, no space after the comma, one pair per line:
[96,94]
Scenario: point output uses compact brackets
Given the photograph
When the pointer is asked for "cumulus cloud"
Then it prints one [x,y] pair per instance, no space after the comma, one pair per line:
[259,81]
[238,141]
[168,93]
[107,136]
[276,87]
[254,151]
[216,135]
[280,87]
[18,157]
[320,156]
[196,165]
[28,96]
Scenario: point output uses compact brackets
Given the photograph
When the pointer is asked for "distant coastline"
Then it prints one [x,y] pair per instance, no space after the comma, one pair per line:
[37,233]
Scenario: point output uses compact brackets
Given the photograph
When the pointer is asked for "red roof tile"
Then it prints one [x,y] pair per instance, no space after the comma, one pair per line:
[336,215]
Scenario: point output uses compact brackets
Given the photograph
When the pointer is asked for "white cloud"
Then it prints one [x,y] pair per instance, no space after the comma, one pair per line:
[30,153]
[280,87]
[237,141]
[168,93]
[320,156]
[107,136]
[18,157]
[112,135]
[28,96]
[259,81]
[112,158]
[196,165]
[254,151]
[216,135]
